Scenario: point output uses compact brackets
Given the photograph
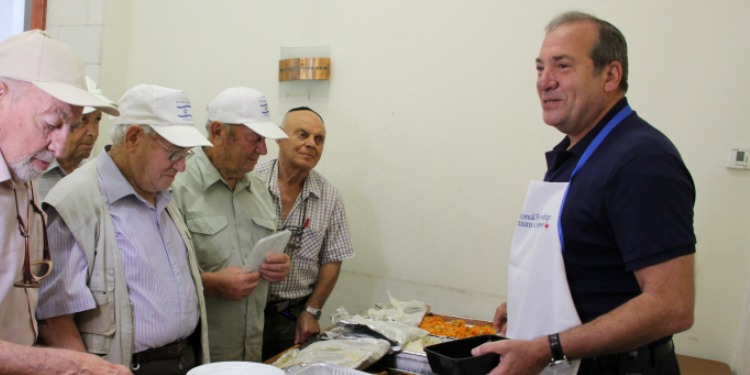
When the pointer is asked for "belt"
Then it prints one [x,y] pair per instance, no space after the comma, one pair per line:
[660,350]
[656,350]
[285,304]
[170,351]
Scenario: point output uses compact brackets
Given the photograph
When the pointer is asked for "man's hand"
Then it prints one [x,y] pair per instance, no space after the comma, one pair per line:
[230,283]
[518,357]
[275,267]
[500,322]
[307,327]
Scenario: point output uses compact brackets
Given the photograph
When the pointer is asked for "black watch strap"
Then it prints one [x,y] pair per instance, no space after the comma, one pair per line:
[556,348]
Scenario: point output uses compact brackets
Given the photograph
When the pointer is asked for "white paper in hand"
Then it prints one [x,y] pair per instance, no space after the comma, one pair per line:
[273,244]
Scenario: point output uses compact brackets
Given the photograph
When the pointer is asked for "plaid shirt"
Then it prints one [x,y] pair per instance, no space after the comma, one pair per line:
[325,239]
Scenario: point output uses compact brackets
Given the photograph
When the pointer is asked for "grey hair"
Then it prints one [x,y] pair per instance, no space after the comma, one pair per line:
[610,45]
[119,130]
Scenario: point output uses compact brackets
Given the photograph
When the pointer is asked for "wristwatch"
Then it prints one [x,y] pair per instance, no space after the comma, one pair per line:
[558,360]
[315,312]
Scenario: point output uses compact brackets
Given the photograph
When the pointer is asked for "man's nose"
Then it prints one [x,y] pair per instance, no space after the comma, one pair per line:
[93,130]
[261,148]
[180,165]
[546,81]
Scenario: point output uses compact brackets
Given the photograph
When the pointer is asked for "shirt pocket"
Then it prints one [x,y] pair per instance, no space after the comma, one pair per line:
[312,241]
[261,227]
[208,236]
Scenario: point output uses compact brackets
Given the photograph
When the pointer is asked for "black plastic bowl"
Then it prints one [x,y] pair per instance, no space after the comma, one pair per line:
[454,357]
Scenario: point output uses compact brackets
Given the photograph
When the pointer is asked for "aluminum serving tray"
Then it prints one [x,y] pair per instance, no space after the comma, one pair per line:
[322,369]
[408,362]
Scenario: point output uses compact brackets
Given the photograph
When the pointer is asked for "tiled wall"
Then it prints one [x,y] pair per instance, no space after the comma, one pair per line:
[79,24]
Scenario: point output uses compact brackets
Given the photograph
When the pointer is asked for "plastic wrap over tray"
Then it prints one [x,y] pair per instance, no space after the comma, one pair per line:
[322,369]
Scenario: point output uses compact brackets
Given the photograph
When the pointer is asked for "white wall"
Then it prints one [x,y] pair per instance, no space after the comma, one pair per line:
[12,16]
[434,126]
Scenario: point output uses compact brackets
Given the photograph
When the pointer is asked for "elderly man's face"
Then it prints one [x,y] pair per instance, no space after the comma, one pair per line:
[83,136]
[239,150]
[307,136]
[150,169]
[33,128]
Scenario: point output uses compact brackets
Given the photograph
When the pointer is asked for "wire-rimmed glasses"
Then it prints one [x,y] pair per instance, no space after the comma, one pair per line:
[176,155]
[295,241]
[33,272]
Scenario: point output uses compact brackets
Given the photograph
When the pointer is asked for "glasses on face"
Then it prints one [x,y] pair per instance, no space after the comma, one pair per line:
[176,155]
[39,269]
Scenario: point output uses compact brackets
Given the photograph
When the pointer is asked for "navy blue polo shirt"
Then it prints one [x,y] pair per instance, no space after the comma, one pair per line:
[630,206]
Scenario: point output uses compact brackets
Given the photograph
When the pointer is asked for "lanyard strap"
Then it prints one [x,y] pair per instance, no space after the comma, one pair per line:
[625,112]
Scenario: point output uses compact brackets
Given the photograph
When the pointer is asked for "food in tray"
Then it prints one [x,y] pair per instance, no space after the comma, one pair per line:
[358,354]
[417,346]
[456,328]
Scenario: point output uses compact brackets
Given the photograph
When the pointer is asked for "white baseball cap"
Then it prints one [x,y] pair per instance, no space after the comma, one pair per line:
[94,90]
[243,105]
[167,111]
[50,65]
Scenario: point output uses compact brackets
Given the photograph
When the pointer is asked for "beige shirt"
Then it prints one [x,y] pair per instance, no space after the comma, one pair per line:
[17,305]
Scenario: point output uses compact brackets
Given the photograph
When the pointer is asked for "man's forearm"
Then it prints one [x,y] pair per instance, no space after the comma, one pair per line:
[61,332]
[665,307]
[31,360]
[327,277]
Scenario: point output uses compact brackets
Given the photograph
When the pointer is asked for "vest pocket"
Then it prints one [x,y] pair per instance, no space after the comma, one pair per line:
[97,326]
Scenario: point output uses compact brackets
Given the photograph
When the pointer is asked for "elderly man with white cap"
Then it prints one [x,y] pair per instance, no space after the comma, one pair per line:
[80,143]
[130,288]
[42,92]
[227,210]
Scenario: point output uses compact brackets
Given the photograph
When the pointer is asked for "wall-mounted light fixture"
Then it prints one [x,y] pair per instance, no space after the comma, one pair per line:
[305,73]
[305,68]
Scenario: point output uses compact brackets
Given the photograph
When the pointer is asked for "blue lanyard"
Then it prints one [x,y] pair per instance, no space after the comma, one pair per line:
[625,112]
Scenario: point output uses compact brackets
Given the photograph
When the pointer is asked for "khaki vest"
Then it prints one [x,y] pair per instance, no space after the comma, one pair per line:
[107,330]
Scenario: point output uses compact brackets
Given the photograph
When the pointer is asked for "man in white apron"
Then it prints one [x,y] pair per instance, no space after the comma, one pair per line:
[602,260]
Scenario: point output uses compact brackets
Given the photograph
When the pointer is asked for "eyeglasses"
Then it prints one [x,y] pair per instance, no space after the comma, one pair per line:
[39,269]
[295,241]
[176,155]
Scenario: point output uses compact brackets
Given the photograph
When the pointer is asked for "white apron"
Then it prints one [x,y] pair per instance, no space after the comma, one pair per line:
[539,299]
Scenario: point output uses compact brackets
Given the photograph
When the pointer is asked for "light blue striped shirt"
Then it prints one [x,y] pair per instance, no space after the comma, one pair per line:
[160,286]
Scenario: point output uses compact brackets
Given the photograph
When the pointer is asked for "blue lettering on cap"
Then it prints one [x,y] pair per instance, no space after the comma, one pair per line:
[185,109]
[264,105]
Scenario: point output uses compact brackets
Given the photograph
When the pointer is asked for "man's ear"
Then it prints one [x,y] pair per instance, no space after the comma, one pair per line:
[614,76]
[3,89]
[215,129]
[133,134]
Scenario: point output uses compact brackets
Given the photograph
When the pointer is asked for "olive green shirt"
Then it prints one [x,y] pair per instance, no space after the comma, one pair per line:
[224,225]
